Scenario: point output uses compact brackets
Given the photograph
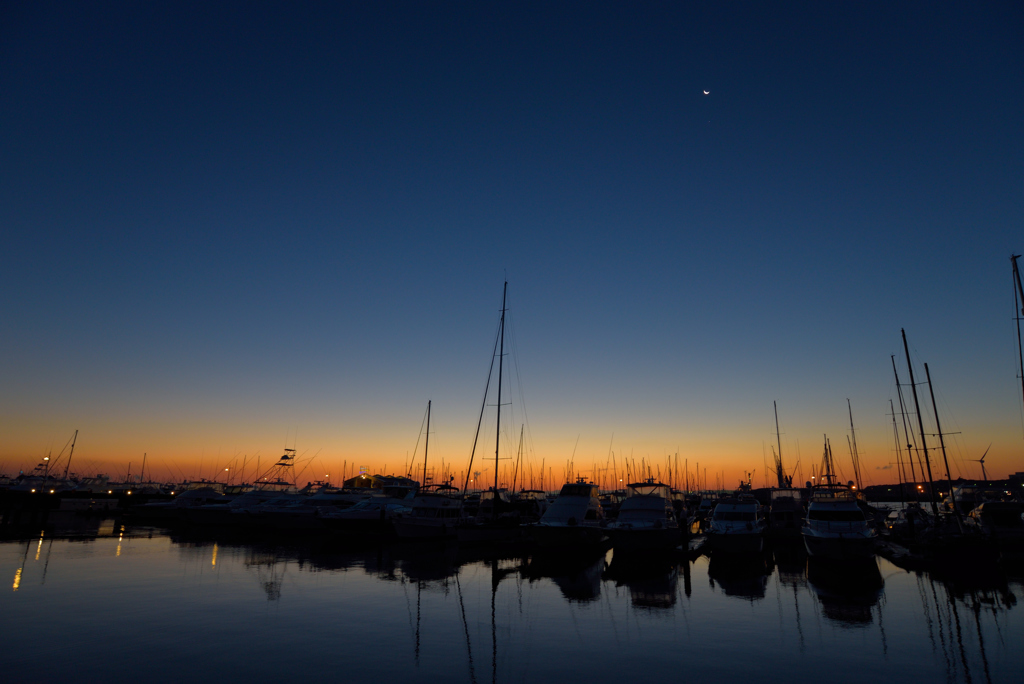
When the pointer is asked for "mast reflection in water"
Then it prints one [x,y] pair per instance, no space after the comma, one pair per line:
[414,613]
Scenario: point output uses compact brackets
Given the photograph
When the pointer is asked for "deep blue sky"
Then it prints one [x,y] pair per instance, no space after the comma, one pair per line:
[222,223]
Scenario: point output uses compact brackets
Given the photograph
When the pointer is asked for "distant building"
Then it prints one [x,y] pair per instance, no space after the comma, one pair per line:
[379,482]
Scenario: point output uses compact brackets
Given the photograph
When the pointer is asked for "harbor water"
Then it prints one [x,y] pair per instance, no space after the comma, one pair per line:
[123,602]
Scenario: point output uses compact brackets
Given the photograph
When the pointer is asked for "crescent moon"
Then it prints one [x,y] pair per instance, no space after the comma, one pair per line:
[707,92]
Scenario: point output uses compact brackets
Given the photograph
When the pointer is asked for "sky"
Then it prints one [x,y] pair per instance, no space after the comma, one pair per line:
[233,228]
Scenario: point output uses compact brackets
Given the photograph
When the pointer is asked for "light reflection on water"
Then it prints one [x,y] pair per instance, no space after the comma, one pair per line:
[271,611]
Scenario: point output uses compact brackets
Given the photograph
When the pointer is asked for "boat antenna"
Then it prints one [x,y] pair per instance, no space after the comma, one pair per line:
[497,428]
[920,425]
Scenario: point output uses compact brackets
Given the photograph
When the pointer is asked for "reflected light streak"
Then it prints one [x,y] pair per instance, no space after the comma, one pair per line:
[213,561]
[40,547]
[17,579]
[118,554]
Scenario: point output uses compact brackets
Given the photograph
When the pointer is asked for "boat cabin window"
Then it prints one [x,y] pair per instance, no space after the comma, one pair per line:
[835,516]
[576,490]
[734,515]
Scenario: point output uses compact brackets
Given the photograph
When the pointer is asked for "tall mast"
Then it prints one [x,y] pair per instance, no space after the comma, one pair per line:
[920,425]
[1018,310]
[903,415]
[853,448]
[779,472]
[501,359]
[942,443]
[519,458]
[899,461]
[68,465]
[426,446]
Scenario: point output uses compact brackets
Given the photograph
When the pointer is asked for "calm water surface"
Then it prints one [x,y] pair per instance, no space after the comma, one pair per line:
[144,602]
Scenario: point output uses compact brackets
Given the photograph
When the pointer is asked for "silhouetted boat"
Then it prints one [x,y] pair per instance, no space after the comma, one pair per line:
[785,513]
[435,512]
[737,526]
[646,520]
[373,516]
[836,526]
[572,520]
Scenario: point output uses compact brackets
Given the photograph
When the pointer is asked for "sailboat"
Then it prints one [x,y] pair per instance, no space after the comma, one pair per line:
[785,508]
[498,518]
[435,509]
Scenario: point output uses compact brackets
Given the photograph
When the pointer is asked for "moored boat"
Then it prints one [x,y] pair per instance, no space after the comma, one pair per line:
[836,526]
[785,513]
[573,520]
[646,521]
[737,526]
[435,513]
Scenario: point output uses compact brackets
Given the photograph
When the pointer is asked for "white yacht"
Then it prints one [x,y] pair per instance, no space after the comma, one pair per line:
[646,520]
[373,516]
[737,526]
[435,512]
[572,520]
[836,526]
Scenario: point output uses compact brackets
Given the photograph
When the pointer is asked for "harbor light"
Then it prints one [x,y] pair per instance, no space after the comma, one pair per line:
[51,491]
[33,491]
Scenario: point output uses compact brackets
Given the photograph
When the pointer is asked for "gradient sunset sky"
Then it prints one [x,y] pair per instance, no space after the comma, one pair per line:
[234,227]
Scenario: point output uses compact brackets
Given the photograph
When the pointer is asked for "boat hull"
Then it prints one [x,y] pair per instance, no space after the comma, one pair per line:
[411,528]
[567,536]
[489,533]
[736,543]
[369,526]
[645,540]
[840,547]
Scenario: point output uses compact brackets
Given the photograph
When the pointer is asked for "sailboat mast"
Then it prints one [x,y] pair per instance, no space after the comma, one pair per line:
[942,443]
[501,359]
[1018,310]
[779,472]
[920,425]
[72,453]
[902,476]
[903,415]
[426,445]
[519,458]
[853,447]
